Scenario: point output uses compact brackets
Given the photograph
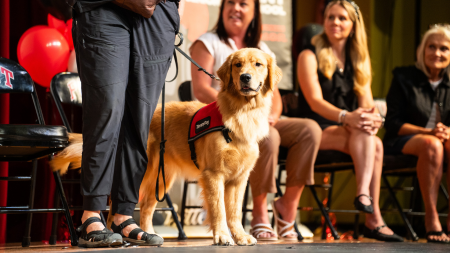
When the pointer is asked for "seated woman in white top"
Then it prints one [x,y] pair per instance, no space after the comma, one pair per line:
[239,26]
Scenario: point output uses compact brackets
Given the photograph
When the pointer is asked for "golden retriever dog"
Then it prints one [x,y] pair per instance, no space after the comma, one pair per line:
[248,79]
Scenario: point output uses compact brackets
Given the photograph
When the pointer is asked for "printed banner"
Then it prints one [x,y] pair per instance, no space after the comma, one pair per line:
[200,16]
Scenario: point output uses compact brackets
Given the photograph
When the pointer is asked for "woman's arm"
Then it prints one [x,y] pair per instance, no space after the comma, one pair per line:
[277,107]
[409,129]
[397,106]
[310,86]
[201,83]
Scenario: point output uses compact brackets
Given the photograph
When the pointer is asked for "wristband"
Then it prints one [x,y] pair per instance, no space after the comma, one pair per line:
[342,116]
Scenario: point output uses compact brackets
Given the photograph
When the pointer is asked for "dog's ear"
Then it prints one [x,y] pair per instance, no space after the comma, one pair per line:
[274,73]
[224,72]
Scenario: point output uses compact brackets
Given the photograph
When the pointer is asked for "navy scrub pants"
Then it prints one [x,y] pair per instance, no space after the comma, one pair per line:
[122,59]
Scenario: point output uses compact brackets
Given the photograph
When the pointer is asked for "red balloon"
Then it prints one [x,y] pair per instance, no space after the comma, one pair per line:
[43,52]
[56,23]
[68,33]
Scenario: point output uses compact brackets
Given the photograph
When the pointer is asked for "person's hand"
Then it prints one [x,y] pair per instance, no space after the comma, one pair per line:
[364,119]
[272,120]
[441,131]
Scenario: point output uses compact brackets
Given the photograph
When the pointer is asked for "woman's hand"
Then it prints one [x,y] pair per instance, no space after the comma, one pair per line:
[272,120]
[365,120]
[441,131]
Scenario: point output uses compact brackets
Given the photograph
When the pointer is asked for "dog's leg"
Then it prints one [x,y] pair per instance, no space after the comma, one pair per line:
[148,202]
[234,195]
[213,192]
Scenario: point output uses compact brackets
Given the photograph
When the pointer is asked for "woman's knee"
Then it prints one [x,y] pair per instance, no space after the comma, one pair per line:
[271,144]
[432,148]
[311,131]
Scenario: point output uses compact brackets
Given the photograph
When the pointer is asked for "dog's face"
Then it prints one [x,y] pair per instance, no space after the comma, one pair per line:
[249,71]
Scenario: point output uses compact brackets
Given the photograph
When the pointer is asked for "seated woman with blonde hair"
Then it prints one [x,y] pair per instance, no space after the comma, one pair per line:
[418,119]
[335,79]
[239,26]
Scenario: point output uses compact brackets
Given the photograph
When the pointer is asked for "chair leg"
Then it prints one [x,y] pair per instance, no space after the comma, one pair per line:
[183,204]
[181,234]
[62,196]
[53,235]
[356,228]
[400,210]
[26,238]
[244,205]
[444,191]
[324,213]
[280,193]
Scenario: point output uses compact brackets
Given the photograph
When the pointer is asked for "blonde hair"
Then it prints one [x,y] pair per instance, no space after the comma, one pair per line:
[438,29]
[357,44]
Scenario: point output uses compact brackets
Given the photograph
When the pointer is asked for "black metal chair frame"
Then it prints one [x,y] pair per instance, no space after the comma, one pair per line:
[29,210]
[57,99]
[415,194]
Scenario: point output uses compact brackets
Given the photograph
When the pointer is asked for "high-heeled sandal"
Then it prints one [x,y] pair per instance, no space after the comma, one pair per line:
[284,228]
[361,207]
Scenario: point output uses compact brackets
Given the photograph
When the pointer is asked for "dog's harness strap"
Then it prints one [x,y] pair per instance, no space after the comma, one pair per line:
[193,154]
[225,132]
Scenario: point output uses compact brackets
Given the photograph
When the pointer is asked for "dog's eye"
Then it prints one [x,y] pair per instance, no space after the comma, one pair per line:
[258,64]
[238,65]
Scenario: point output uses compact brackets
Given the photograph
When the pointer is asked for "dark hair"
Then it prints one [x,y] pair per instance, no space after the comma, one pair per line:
[253,34]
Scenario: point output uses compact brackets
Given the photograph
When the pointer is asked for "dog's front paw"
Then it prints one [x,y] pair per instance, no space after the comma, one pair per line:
[245,240]
[223,239]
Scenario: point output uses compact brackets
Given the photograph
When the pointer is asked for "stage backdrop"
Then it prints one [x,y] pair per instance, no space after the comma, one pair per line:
[200,16]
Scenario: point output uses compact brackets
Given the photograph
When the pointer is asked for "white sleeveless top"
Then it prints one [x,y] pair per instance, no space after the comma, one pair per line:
[220,51]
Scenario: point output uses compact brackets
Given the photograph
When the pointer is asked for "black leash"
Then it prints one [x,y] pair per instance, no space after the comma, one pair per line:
[162,148]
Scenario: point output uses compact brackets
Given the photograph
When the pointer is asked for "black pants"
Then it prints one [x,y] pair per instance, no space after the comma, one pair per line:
[123,61]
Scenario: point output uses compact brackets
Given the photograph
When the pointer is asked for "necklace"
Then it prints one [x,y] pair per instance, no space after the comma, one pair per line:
[341,69]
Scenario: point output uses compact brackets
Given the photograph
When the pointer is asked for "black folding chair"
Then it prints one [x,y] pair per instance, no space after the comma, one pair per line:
[29,143]
[66,89]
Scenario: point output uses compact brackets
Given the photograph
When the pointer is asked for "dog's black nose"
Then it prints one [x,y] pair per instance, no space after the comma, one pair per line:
[246,78]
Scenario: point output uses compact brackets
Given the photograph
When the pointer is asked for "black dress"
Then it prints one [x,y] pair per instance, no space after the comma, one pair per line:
[338,91]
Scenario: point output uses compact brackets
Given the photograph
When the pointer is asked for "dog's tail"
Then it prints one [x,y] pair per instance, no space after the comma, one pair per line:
[70,156]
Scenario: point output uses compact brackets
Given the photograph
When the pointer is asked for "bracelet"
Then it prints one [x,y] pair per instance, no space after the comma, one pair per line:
[341,117]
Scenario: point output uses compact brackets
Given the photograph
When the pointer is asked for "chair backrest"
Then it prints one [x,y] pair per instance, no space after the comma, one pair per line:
[65,88]
[184,91]
[15,79]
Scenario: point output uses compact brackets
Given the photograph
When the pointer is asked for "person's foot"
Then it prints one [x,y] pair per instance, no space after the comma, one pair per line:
[96,226]
[93,233]
[364,199]
[384,230]
[437,236]
[262,219]
[287,211]
[119,219]
[432,224]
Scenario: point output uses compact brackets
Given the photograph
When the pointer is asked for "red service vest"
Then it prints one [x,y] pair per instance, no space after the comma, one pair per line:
[206,120]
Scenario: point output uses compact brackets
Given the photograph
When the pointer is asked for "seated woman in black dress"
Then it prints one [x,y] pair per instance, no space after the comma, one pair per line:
[418,116]
[335,79]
